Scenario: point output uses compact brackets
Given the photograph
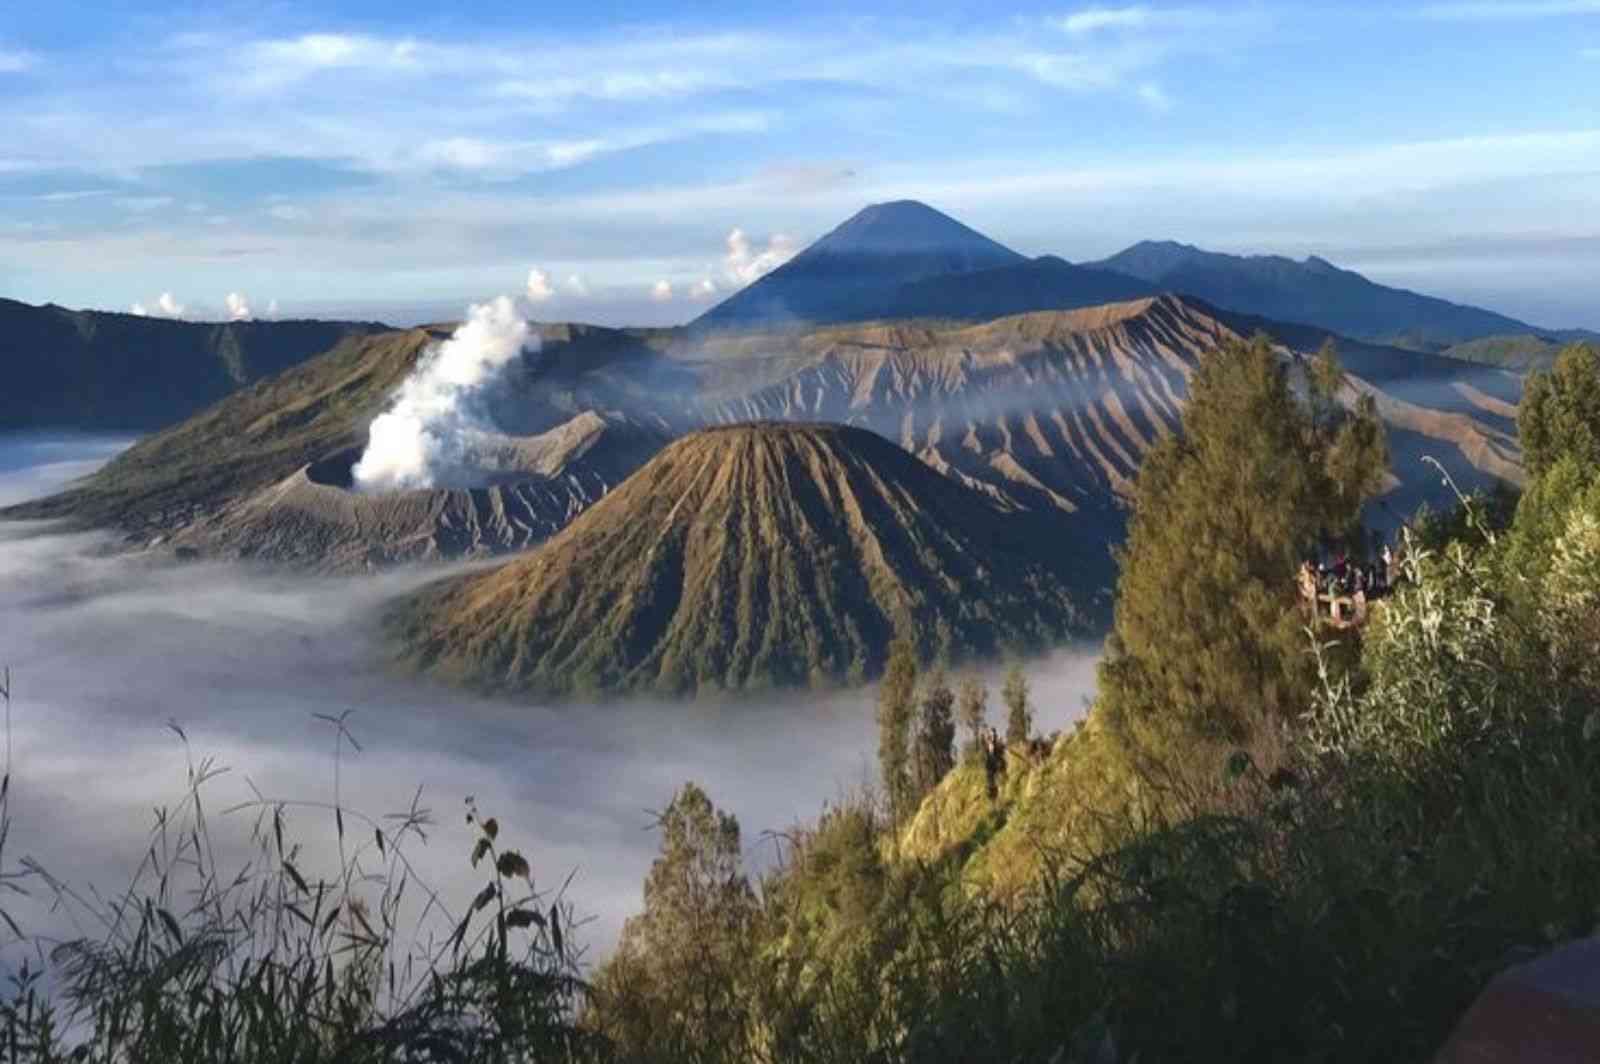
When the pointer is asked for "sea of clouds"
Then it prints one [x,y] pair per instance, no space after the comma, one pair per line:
[106,649]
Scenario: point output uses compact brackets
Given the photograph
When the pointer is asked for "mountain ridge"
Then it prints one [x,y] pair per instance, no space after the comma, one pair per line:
[107,371]
[1311,291]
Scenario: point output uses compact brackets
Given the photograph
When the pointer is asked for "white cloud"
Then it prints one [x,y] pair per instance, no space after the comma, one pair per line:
[144,204]
[68,197]
[1155,97]
[661,291]
[743,264]
[1512,9]
[621,86]
[540,290]
[15,62]
[1092,19]
[577,286]
[273,64]
[285,212]
[237,305]
[272,308]
[703,289]
[165,306]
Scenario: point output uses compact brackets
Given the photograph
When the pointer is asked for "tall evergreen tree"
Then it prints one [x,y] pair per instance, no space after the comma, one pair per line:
[936,734]
[897,693]
[1206,633]
[672,981]
[1019,710]
[972,708]
[1560,412]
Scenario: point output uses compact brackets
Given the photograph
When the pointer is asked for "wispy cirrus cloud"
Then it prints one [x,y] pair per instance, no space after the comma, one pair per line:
[1511,9]
[14,61]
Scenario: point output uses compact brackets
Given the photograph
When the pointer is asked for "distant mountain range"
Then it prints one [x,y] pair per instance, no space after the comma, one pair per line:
[94,370]
[959,472]
[1314,292]
[895,261]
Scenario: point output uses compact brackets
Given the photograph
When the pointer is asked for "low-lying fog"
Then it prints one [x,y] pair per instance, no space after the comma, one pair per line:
[105,650]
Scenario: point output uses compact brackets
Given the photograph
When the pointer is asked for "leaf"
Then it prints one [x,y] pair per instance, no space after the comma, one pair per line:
[555,931]
[491,828]
[299,881]
[333,914]
[1238,764]
[379,833]
[512,864]
[478,851]
[485,896]
[524,918]
[171,925]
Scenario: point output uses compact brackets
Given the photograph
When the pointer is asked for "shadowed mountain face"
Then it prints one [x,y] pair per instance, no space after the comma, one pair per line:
[116,372]
[1313,292]
[753,556]
[1048,413]
[852,273]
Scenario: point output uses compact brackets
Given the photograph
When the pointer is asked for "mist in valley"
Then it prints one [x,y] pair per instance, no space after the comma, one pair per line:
[108,648]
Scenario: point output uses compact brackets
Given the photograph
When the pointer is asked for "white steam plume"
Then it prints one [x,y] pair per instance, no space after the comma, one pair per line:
[744,264]
[429,437]
[238,306]
[540,290]
[661,291]
[705,288]
[577,286]
[166,306]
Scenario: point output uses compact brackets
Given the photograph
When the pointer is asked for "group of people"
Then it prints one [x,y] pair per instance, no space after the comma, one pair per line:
[1345,580]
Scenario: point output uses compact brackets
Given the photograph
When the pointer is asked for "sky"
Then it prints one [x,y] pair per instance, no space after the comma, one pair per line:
[632,164]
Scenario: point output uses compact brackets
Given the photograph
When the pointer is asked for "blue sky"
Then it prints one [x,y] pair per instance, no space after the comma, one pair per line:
[399,159]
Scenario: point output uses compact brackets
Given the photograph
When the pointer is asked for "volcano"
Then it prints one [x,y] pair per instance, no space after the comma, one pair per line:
[754,556]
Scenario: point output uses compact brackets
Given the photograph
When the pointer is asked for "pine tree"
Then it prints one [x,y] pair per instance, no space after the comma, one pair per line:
[1206,636]
[1019,712]
[936,734]
[1560,412]
[972,703]
[672,980]
[896,708]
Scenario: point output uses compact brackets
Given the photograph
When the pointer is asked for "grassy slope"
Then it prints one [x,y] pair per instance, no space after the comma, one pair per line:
[244,442]
[749,557]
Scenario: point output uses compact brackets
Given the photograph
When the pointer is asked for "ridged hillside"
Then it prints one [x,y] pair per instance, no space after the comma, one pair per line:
[753,556]
[107,372]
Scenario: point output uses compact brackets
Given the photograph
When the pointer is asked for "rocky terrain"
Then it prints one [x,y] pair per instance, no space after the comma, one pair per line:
[752,556]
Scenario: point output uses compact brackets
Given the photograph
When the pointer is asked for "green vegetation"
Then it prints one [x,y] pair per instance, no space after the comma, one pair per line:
[1329,870]
[1518,351]
[198,960]
[1251,849]
[1204,638]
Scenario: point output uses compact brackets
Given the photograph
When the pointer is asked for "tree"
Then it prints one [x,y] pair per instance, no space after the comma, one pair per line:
[673,980]
[972,703]
[1560,412]
[936,734]
[1205,634]
[1325,381]
[1019,713]
[896,708]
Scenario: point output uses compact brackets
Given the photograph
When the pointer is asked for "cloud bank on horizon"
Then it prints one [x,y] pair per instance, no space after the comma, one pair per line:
[1383,138]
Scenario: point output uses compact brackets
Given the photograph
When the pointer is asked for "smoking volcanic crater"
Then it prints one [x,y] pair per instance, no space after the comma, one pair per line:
[751,556]
[320,518]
